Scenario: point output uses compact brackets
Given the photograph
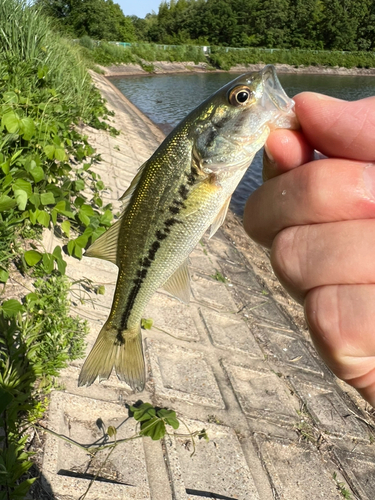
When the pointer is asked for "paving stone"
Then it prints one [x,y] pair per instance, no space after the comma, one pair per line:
[112,390]
[228,332]
[126,176]
[124,157]
[219,245]
[359,470]
[296,472]
[261,393]
[329,410]
[262,307]
[213,294]
[172,316]
[68,468]
[121,185]
[183,374]
[286,348]
[206,264]
[218,469]
[240,275]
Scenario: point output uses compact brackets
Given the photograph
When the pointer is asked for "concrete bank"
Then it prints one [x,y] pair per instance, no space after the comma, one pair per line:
[166,67]
[240,364]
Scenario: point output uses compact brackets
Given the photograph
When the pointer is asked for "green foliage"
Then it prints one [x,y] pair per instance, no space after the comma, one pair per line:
[227,58]
[146,323]
[44,89]
[218,276]
[46,181]
[37,338]
[98,19]
[341,487]
[108,53]
[61,336]
[141,53]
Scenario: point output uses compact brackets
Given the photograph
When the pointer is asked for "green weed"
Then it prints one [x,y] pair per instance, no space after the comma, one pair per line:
[342,488]
[218,276]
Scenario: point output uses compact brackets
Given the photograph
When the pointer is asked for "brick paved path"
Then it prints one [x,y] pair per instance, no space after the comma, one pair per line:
[242,367]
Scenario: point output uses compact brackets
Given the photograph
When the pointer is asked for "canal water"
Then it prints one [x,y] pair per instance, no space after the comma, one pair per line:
[167,99]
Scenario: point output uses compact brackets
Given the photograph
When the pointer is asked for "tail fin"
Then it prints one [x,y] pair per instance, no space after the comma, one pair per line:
[126,356]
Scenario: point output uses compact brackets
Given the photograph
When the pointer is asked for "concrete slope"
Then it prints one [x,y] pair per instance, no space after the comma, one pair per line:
[237,361]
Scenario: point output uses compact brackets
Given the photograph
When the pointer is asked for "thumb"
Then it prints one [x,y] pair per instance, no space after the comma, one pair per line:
[338,128]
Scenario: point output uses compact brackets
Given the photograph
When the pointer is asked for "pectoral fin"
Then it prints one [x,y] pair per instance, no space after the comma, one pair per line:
[219,219]
[178,284]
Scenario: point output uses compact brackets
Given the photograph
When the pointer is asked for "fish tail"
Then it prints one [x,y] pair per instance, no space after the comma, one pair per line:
[125,355]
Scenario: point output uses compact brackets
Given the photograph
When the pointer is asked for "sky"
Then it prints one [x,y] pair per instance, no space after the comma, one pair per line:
[138,7]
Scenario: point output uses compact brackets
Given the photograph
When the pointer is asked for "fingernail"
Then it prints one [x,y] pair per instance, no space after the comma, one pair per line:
[323,97]
[369,179]
[267,151]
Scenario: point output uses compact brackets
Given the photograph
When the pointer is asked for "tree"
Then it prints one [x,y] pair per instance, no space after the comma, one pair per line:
[340,23]
[272,23]
[305,19]
[99,19]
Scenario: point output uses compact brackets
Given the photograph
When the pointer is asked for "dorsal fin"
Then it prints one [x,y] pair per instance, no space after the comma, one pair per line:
[125,198]
[178,284]
[105,247]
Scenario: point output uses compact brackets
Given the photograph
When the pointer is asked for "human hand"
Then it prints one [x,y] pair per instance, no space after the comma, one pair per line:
[318,218]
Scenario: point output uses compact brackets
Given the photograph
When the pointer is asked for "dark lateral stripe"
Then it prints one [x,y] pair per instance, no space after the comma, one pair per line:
[145,264]
[160,235]
[174,210]
[183,191]
[129,306]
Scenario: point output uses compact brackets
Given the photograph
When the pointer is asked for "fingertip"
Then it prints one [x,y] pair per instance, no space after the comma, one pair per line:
[285,150]
[336,127]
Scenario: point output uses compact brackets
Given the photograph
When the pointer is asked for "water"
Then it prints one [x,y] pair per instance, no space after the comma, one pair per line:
[166,99]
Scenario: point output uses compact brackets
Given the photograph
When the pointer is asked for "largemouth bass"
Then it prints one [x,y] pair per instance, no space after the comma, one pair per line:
[184,188]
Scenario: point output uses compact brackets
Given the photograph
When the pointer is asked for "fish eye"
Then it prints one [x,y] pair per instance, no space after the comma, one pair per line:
[241,95]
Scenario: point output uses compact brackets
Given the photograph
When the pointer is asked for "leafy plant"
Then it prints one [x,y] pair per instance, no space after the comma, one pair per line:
[46,181]
[154,420]
[37,339]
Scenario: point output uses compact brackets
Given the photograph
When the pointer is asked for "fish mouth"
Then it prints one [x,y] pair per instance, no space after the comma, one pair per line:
[274,91]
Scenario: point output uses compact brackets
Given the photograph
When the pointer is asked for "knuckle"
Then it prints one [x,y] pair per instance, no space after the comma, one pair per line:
[287,255]
[324,317]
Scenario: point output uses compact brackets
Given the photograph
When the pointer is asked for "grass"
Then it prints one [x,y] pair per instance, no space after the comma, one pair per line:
[225,59]
[220,57]
[141,53]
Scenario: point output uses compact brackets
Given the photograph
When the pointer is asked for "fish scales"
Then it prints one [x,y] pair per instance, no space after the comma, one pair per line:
[177,194]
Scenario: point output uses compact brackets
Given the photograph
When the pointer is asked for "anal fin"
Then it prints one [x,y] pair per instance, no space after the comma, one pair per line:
[178,284]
